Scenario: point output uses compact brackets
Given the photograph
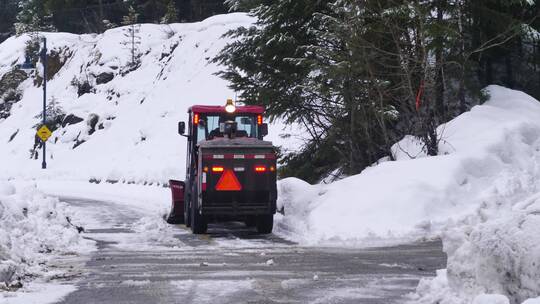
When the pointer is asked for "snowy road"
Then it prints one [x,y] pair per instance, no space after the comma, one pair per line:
[234,265]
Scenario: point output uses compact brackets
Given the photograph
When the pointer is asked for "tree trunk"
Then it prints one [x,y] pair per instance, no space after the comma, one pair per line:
[509,71]
[100,3]
[461,91]
[488,71]
[351,153]
[439,78]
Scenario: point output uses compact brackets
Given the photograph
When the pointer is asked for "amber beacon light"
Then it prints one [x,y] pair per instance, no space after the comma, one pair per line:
[229,106]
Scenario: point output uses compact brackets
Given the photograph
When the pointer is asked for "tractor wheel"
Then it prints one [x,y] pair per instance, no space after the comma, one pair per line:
[250,221]
[187,211]
[265,223]
[172,219]
[198,222]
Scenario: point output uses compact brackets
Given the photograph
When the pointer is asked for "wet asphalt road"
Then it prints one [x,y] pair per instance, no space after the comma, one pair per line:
[232,264]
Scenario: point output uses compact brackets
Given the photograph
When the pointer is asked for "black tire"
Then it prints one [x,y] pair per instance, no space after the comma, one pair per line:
[265,223]
[198,222]
[250,221]
[172,219]
[187,211]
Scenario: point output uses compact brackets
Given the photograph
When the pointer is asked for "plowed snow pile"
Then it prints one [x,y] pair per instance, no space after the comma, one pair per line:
[34,229]
[481,195]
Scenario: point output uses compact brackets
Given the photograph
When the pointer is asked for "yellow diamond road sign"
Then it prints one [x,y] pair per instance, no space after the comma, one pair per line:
[44,133]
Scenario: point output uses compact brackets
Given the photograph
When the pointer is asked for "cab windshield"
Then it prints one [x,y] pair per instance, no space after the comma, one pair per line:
[208,127]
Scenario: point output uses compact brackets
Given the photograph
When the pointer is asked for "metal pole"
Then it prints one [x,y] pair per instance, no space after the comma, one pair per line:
[44,61]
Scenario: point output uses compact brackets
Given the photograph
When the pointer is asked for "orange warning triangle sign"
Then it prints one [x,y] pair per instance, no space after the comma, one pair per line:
[228,182]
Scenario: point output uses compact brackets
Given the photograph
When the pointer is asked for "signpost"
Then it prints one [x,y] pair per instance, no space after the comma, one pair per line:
[44,133]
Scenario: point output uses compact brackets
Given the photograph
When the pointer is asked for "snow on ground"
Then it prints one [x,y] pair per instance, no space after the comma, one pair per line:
[138,208]
[129,126]
[480,195]
[36,293]
[35,229]
[210,291]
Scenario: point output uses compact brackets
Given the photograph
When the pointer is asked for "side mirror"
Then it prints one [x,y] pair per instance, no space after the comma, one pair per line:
[181,128]
[263,130]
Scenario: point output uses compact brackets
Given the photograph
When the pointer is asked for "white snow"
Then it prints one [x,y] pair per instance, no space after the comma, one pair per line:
[38,293]
[34,231]
[135,283]
[532,301]
[490,299]
[210,291]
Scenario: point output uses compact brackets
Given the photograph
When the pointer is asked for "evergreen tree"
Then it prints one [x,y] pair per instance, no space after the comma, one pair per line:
[263,63]
[8,12]
[243,5]
[360,74]
[132,34]
[33,17]
[171,13]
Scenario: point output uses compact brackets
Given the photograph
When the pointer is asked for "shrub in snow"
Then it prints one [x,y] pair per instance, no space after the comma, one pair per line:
[33,227]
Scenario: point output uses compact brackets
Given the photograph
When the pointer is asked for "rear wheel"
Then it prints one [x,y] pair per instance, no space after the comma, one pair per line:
[265,223]
[173,219]
[187,211]
[198,222]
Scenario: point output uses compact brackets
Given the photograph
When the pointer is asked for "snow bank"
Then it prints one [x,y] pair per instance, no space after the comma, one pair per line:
[480,195]
[34,228]
[489,155]
[295,198]
[498,256]
[129,122]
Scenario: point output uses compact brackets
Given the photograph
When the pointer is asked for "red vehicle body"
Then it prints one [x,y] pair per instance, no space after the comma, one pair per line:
[230,170]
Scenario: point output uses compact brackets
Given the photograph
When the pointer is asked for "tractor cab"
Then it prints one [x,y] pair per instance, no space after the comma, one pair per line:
[210,122]
[230,169]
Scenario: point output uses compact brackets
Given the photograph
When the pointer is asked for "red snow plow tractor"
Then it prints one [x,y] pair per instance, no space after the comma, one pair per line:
[230,169]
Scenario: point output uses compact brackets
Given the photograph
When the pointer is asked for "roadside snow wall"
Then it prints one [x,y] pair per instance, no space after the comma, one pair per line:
[480,195]
[33,229]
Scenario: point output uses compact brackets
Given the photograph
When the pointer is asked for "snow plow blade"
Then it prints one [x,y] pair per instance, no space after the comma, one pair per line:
[176,215]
